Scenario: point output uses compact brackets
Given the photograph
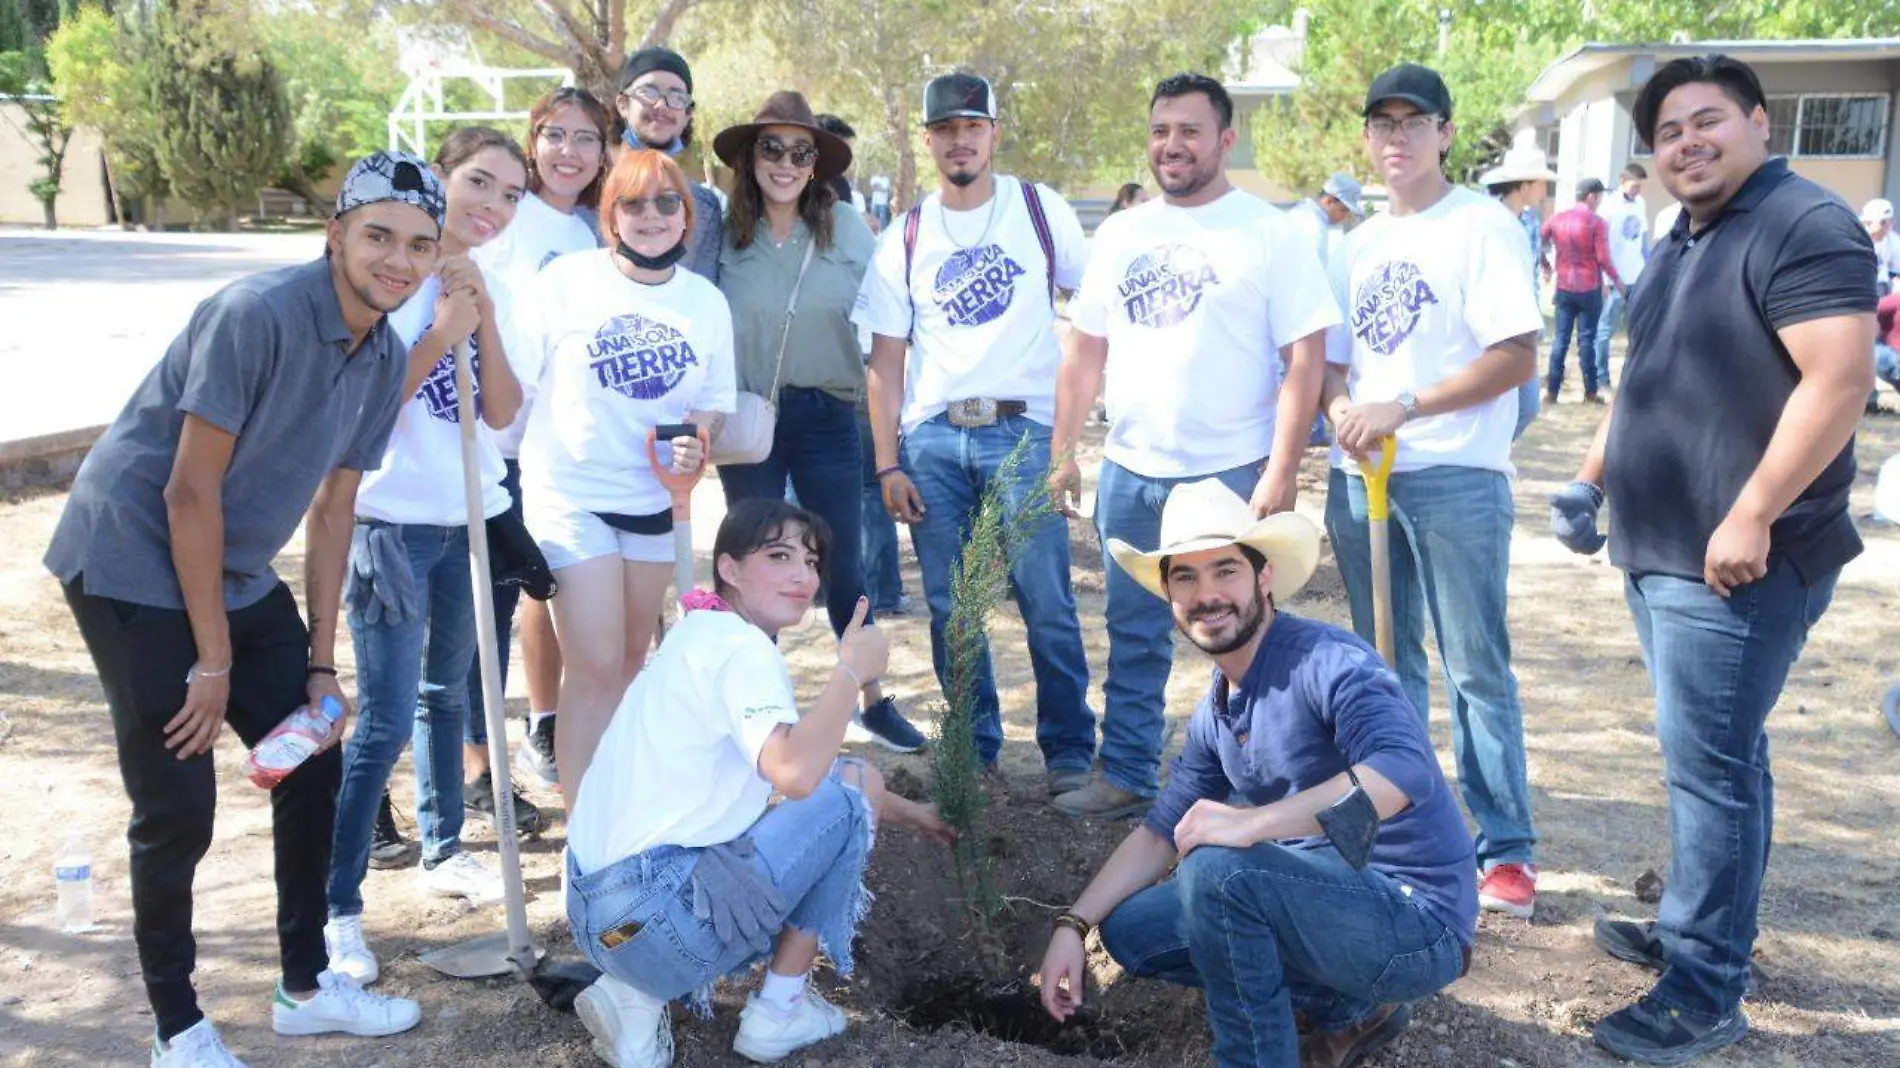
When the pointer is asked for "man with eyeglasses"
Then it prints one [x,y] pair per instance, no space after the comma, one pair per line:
[655,107]
[966,281]
[1441,331]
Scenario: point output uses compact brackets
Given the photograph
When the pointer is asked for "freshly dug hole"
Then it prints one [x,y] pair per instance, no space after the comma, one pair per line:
[1012,1012]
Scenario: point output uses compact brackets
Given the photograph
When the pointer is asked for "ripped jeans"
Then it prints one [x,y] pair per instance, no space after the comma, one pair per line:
[633,919]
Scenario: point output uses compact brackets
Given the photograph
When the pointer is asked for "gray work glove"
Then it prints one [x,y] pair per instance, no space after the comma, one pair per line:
[1573,517]
[732,894]
[380,586]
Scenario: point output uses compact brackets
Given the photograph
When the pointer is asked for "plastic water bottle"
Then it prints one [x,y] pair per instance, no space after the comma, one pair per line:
[291,743]
[72,875]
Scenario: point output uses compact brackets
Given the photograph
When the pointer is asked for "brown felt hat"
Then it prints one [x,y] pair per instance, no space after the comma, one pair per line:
[786,107]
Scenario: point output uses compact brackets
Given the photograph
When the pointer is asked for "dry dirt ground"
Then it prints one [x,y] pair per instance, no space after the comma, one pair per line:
[1830,946]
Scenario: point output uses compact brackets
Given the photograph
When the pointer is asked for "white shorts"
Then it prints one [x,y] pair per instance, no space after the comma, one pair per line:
[572,536]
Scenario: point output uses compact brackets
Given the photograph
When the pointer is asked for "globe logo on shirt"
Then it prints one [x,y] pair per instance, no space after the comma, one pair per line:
[639,357]
[1162,287]
[438,391]
[1632,228]
[547,259]
[975,285]
[1386,308]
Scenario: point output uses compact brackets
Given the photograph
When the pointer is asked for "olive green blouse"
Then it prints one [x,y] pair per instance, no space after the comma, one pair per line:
[822,350]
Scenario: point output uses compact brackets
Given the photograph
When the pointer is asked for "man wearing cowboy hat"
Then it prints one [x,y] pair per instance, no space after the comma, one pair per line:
[1521,181]
[1324,866]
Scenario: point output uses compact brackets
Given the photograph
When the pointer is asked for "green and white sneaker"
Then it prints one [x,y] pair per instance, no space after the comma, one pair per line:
[195,1047]
[341,1006]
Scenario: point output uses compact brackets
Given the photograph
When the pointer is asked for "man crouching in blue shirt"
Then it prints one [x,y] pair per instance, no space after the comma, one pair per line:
[1264,913]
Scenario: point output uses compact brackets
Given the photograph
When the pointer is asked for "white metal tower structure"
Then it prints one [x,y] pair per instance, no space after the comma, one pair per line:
[434,62]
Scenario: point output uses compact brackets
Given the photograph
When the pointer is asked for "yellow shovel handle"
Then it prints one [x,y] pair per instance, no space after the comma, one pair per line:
[1378,504]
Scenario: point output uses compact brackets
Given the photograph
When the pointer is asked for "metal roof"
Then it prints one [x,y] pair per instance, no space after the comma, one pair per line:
[1586,60]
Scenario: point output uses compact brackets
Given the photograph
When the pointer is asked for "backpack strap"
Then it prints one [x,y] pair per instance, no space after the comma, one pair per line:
[1045,237]
[913,221]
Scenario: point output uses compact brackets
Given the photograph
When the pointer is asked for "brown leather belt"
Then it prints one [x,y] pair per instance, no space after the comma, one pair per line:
[983,411]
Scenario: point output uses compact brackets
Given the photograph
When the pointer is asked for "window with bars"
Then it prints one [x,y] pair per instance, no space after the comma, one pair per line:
[1819,126]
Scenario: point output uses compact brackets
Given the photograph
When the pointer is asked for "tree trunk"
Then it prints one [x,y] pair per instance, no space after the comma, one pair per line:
[52,217]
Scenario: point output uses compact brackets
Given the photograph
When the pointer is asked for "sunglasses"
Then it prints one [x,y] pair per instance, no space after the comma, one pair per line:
[666,205]
[772,150]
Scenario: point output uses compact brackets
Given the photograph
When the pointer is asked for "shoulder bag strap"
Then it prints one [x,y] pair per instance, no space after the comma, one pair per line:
[913,222]
[1044,236]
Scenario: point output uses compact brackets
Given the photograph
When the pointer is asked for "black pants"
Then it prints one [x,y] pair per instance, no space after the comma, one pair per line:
[142,654]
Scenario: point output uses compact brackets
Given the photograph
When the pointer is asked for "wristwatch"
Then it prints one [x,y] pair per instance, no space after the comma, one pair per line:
[1409,402]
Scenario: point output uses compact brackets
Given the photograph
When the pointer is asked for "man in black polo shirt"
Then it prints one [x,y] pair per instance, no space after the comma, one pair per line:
[1731,513]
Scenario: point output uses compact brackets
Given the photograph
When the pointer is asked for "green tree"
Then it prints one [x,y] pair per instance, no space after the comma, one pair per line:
[22,77]
[224,124]
[339,83]
[102,64]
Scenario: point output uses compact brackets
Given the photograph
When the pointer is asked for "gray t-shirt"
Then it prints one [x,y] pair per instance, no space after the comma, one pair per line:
[822,351]
[708,236]
[268,359]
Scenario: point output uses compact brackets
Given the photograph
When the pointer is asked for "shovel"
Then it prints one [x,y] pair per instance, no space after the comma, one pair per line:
[511,950]
[680,488]
[1378,513]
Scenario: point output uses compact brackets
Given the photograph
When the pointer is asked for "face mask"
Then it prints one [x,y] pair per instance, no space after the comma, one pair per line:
[653,263]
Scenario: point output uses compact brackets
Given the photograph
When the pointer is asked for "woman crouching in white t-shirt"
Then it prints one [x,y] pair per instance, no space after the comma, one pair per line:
[679,871]
[628,342]
[407,593]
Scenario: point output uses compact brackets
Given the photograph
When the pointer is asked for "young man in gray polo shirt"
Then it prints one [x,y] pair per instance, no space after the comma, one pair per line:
[265,411]
[1731,514]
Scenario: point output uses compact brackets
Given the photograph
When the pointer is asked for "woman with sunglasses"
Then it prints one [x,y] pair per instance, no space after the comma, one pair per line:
[790,267]
[629,343]
[406,594]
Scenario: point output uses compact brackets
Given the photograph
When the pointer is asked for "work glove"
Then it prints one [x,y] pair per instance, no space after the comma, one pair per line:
[515,560]
[1573,517]
[734,895]
[380,587]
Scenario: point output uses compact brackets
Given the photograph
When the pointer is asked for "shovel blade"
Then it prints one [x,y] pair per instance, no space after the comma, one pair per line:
[483,958]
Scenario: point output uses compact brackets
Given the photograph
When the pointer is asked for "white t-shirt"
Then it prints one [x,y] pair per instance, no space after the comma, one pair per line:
[537,235]
[1887,256]
[1196,304]
[1424,296]
[679,763]
[985,326]
[1628,221]
[620,359]
[420,480]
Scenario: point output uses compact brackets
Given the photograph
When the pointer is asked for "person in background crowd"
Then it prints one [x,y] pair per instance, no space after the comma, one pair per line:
[793,262]
[264,413]
[1665,222]
[411,610]
[1626,215]
[1731,522]
[1207,310]
[1877,217]
[1440,376]
[846,189]
[655,109]
[1581,240]
[629,342]
[967,282]
[1521,182]
[1886,347]
[1129,195]
[1323,216]
[680,867]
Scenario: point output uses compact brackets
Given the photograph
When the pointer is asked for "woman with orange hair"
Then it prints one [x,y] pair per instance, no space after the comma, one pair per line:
[629,342]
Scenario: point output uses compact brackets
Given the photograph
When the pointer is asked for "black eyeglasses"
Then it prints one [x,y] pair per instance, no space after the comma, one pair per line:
[560,137]
[666,204]
[677,99]
[771,150]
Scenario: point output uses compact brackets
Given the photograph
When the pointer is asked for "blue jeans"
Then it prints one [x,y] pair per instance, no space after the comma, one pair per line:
[877,560]
[1268,930]
[506,598]
[815,446]
[1717,666]
[412,681]
[1450,539]
[952,467]
[1887,365]
[1614,303]
[1579,312]
[1140,625]
[812,850]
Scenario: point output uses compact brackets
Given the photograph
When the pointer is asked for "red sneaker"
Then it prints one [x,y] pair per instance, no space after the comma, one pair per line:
[1510,889]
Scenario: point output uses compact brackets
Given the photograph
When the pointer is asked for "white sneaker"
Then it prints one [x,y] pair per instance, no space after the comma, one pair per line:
[343,937]
[463,876]
[340,1004]
[628,1031]
[198,1046]
[768,1033]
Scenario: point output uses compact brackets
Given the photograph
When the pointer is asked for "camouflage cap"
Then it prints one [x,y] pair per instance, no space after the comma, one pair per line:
[397,176]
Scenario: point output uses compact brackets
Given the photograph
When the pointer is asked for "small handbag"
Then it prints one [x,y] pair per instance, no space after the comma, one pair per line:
[746,436]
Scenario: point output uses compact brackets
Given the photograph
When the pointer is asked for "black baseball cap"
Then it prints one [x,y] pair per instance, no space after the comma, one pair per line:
[1414,85]
[1589,187]
[959,96]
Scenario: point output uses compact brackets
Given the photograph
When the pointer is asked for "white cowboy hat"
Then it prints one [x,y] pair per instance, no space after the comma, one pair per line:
[1522,162]
[1207,515]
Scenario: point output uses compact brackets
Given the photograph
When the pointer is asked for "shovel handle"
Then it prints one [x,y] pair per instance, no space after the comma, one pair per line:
[1378,477]
[678,486]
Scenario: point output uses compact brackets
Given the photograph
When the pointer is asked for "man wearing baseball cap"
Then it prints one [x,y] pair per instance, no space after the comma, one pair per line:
[1442,328]
[966,281]
[1877,217]
[1324,215]
[1323,864]
[264,413]
[1581,241]
[654,110]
